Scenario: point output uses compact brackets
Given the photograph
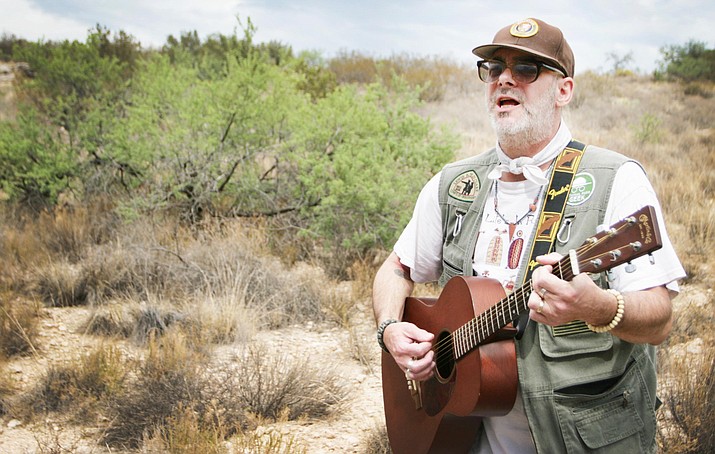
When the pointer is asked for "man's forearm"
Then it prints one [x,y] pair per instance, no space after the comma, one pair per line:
[648,317]
[391,286]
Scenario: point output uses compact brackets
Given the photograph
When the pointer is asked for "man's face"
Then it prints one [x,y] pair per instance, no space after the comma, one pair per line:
[521,111]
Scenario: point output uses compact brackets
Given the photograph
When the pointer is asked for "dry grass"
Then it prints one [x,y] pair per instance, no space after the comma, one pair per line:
[77,386]
[178,402]
[377,441]
[687,372]
[18,326]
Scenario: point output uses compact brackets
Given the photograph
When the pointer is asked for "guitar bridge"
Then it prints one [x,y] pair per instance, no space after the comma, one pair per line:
[415,392]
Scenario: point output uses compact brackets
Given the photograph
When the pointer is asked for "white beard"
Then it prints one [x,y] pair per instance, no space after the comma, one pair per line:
[534,126]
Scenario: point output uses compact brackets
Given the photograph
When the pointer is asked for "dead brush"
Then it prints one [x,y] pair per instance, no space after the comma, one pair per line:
[8,388]
[18,326]
[175,394]
[279,386]
[267,442]
[688,416]
[185,432]
[62,284]
[376,441]
[686,375]
[77,386]
[168,379]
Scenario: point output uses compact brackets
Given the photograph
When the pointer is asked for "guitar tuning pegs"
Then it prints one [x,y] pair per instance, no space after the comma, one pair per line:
[651,259]
[630,268]
[610,276]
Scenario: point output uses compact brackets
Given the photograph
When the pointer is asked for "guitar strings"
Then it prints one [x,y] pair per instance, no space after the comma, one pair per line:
[487,319]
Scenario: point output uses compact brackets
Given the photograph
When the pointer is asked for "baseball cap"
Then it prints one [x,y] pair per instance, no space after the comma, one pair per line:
[535,37]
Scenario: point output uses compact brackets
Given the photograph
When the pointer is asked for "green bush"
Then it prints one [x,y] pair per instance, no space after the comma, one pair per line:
[689,62]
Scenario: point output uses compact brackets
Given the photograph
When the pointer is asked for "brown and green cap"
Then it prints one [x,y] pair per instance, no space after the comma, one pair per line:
[535,37]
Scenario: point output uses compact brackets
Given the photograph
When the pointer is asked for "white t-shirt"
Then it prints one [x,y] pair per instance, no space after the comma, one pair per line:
[499,253]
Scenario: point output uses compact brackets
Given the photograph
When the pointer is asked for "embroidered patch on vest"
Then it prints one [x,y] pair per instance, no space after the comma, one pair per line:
[465,186]
[582,189]
[574,327]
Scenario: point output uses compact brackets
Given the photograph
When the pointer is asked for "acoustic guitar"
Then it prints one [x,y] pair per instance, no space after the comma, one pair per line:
[475,355]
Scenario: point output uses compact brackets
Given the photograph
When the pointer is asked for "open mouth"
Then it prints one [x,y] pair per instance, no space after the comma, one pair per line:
[507,102]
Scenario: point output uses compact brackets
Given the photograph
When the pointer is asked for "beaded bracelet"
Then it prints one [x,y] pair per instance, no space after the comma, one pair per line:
[381,331]
[616,318]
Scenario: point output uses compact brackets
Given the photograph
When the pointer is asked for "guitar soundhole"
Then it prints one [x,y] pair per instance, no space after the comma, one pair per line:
[444,357]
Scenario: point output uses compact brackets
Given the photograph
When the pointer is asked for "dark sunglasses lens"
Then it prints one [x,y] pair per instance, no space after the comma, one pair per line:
[525,72]
[489,71]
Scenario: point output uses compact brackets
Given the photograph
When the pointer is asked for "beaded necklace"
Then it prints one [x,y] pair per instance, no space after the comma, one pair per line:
[512,225]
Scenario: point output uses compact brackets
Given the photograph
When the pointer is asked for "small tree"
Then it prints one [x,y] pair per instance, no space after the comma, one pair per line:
[619,62]
[690,62]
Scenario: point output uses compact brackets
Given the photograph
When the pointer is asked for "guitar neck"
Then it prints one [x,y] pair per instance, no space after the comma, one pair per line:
[473,333]
[634,236]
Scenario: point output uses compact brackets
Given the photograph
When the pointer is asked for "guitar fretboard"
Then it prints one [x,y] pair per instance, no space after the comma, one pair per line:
[470,335]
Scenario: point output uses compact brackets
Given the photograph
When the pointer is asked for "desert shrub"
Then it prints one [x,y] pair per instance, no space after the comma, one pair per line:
[221,320]
[112,320]
[175,394]
[689,62]
[699,89]
[18,326]
[67,231]
[276,386]
[168,379]
[649,129]
[267,441]
[62,284]
[431,75]
[185,432]
[353,67]
[376,441]
[686,373]
[79,384]
[689,397]
[8,389]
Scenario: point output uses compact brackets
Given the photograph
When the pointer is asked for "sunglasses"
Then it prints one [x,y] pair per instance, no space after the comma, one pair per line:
[522,72]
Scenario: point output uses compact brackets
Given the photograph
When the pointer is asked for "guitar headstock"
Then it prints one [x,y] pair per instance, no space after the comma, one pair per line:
[630,238]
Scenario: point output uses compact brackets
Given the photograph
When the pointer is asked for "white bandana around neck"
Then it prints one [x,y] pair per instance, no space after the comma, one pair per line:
[528,166]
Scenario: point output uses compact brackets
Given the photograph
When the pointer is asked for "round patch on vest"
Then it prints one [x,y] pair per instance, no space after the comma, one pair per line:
[524,29]
[581,189]
[465,186]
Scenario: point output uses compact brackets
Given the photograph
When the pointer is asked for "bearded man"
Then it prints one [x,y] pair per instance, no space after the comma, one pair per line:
[586,359]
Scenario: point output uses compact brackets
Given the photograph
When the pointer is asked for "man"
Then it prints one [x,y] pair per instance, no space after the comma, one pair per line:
[586,361]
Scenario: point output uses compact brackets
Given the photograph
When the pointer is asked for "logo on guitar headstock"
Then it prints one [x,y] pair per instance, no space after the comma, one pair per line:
[645,228]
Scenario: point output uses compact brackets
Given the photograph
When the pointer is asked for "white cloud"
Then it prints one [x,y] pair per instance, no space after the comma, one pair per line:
[420,27]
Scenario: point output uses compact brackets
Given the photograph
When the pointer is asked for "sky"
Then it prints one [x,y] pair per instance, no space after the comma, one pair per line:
[599,32]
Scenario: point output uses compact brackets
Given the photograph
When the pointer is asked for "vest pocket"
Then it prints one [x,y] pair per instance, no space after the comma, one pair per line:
[610,421]
[611,425]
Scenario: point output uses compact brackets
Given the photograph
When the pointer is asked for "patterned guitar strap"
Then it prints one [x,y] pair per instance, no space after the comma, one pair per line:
[552,213]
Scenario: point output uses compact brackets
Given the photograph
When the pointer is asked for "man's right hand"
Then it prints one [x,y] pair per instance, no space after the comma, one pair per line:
[411,347]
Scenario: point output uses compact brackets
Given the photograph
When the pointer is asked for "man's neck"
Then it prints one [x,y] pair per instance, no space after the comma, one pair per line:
[520,146]
[519,149]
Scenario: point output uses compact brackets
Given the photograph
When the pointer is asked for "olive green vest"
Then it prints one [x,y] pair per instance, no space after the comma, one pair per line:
[581,390]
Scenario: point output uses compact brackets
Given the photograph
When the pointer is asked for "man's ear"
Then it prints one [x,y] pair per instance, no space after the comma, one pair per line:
[565,91]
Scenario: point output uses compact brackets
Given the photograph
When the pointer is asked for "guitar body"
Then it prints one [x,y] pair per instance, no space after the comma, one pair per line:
[482,383]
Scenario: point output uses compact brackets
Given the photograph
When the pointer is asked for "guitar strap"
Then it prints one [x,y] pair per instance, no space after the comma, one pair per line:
[552,212]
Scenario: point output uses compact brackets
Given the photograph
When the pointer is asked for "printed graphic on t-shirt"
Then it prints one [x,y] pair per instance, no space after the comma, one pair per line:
[500,246]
